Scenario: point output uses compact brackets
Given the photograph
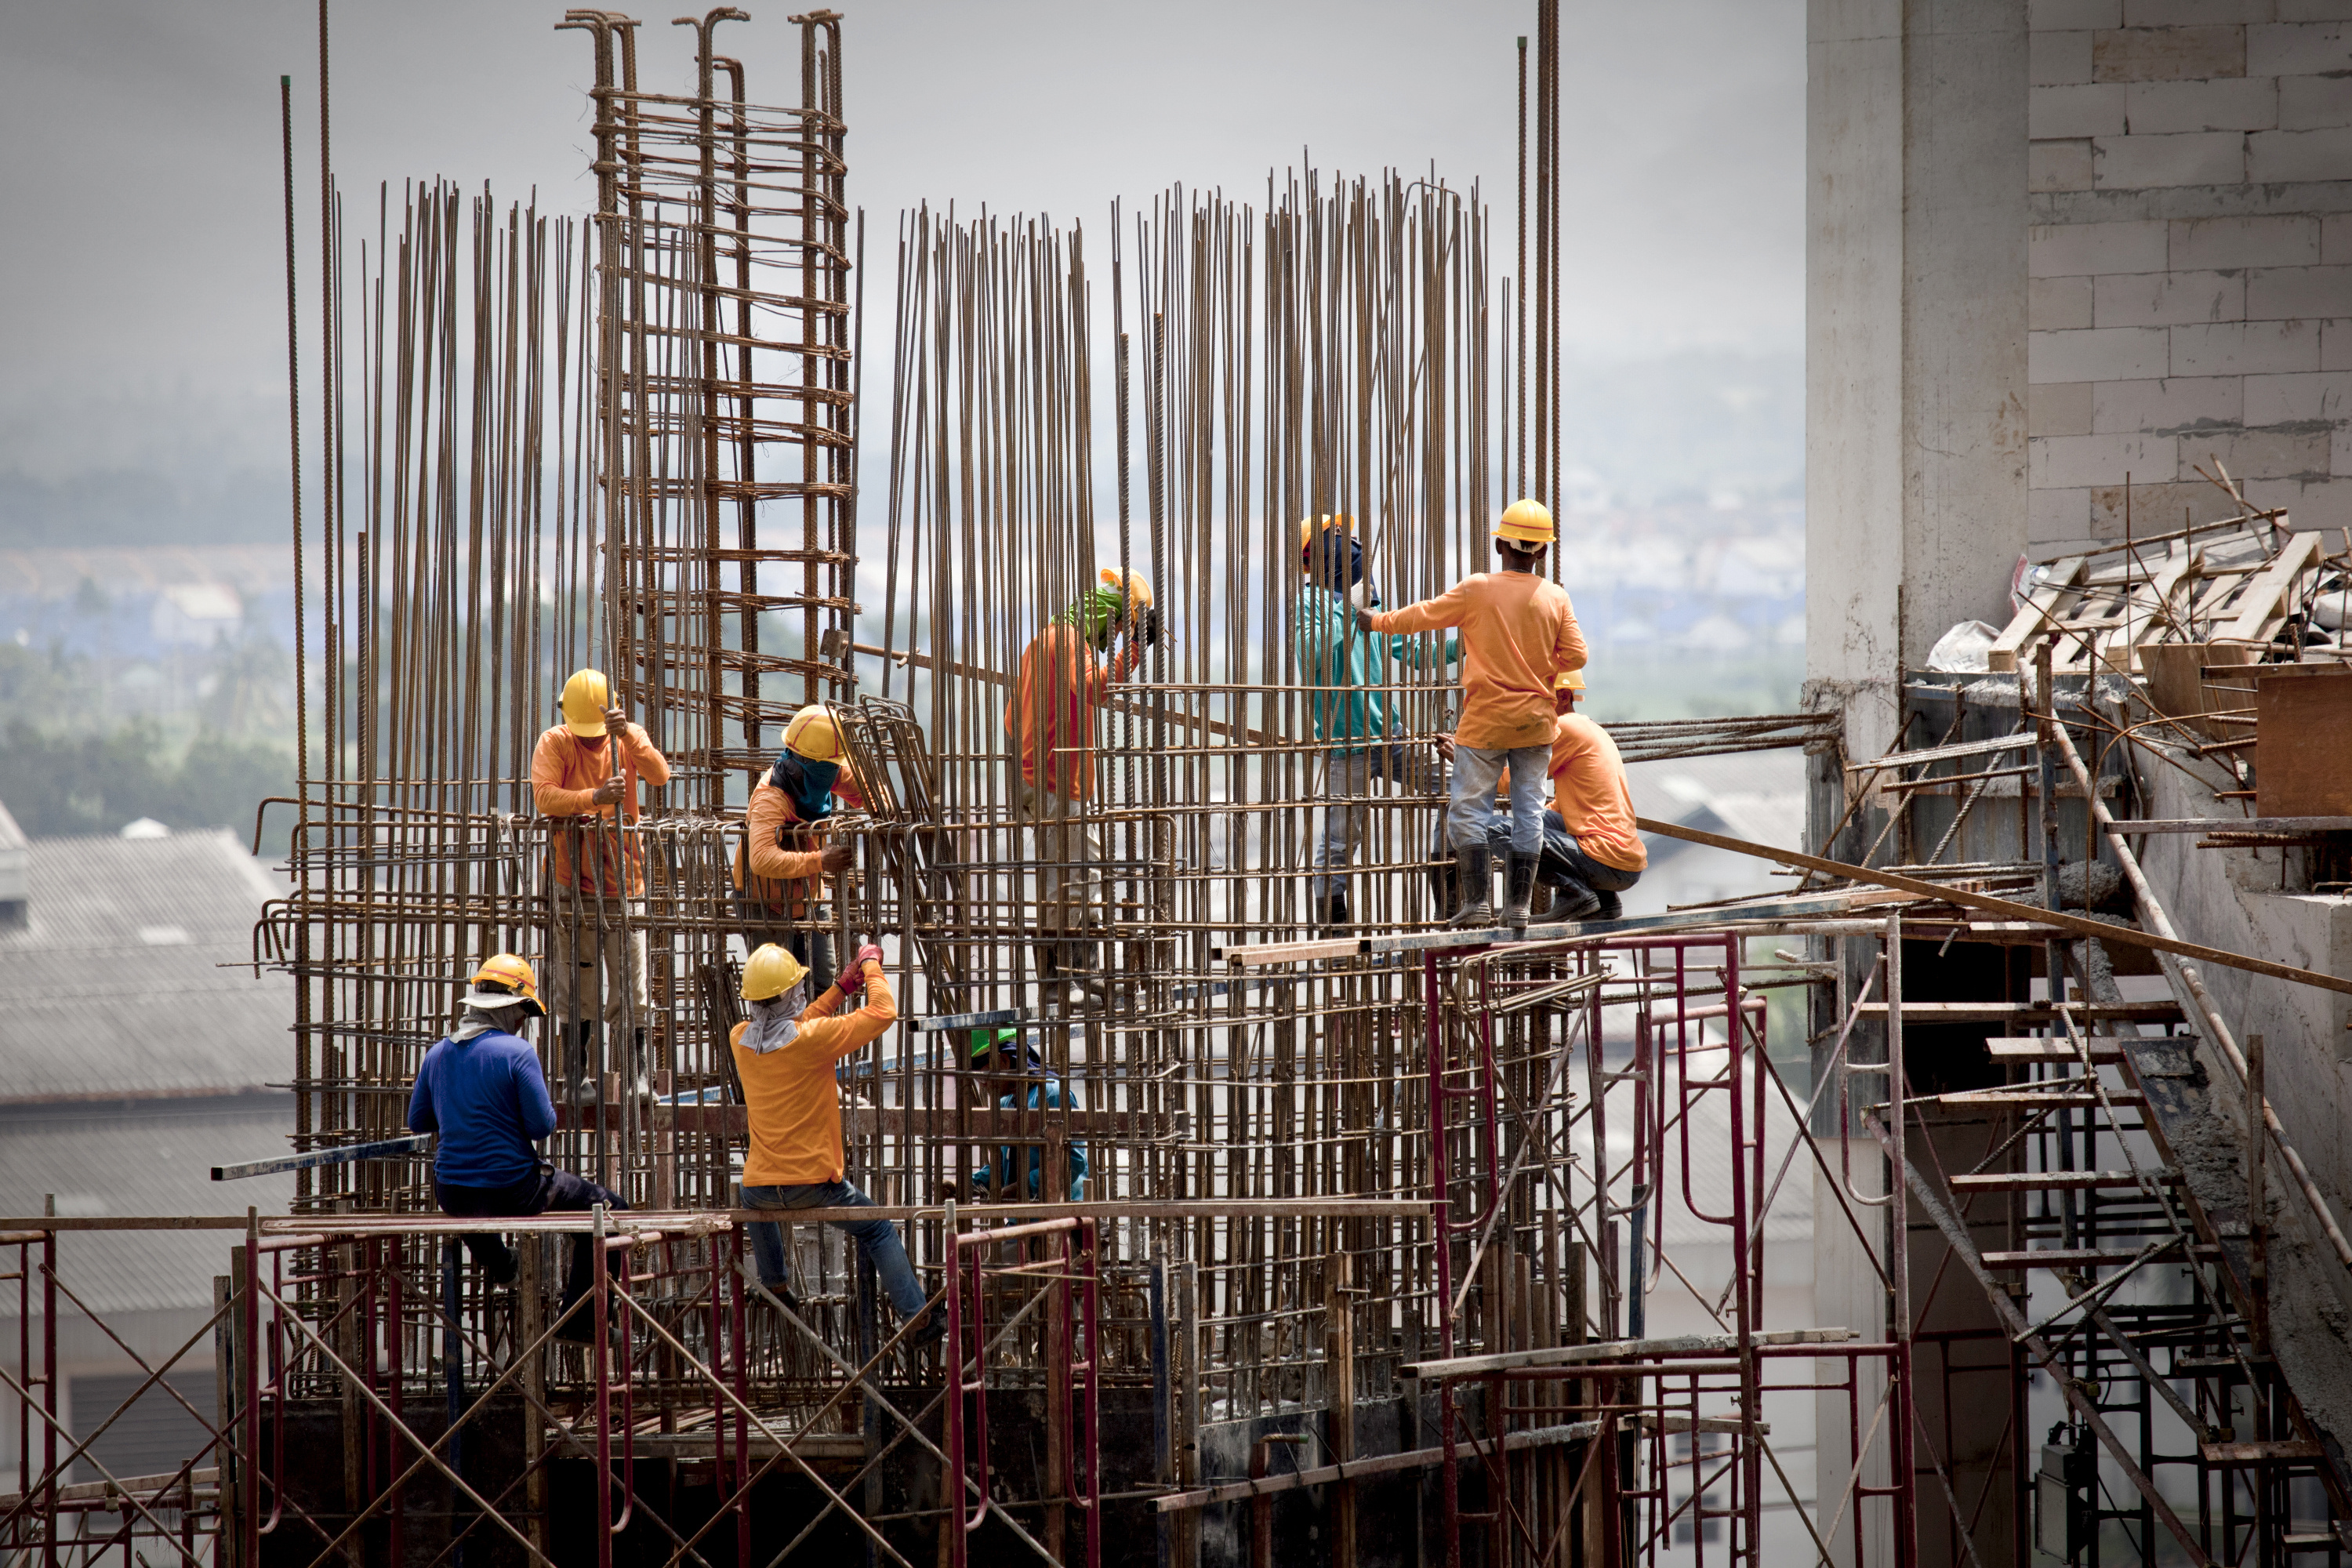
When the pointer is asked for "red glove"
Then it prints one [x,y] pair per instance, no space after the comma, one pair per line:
[853,979]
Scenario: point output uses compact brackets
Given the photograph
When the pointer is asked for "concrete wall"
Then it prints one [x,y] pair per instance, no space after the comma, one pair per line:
[2191,261]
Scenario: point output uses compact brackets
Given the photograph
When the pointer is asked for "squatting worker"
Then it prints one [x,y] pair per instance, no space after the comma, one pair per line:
[1050,723]
[1591,850]
[1016,1078]
[1518,634]
[1354,722]
[587,770]
[481,1094]
[784,1057]
[780,867]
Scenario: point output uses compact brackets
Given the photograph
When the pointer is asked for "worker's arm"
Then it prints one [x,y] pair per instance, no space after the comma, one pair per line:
[537,1110]
[1450,609]
[850,1033]
[421,1118]
[546,791]
[768,812]
[1417,653]
[652,767]
[1568,650]
[1122,665]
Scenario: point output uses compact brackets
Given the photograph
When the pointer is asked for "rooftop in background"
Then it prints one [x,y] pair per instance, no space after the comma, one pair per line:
[115,987]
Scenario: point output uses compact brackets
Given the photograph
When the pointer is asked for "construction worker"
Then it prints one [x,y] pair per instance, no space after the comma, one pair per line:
[587,770]
[1518,634]
[1591,850]
[481,1094]
[780,867]
[1017,1078]
[784,1057]
[1050,724]
[1353,722]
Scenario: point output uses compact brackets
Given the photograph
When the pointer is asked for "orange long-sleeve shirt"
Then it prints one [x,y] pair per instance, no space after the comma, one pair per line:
[1589,790]
[1518,634]
[1053,707]
[564,774]
[766,872]
[790,1093]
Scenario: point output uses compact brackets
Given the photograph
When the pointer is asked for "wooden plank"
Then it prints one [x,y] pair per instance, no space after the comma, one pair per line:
[2054,1181]
[2287,1450]
[2021,1012]
[2039,610]
[2236,825]
[2053,1048]
[2061,1257]
[2303,740]
[2264,606]
[2177,687]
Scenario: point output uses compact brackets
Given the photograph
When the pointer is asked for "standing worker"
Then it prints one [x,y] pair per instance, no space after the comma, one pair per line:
[1050,723]
[1354,722]
[784,1057]
[1591,850]
[482,1095]
[587,769]
[1017,1078]
[1519,635]
[780,868]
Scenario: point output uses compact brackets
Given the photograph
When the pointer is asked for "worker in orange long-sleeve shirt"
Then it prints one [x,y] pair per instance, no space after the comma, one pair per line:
[1050,723]
[585,771]
[1591,850]
[780,867]
[1518,634]
[785,1056]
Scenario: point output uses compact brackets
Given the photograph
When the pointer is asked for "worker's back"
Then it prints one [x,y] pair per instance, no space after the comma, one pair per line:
[1591,794]
[1518,633]
[485,1099]
[790,1096]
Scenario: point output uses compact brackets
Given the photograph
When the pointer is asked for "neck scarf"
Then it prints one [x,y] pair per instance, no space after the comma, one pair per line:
[808,784]
[481,1021]
[775,1022]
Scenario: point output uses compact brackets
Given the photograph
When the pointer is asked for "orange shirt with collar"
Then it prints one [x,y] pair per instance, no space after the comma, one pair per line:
[1589,790]
[1518,636]
[564,773]
[791,1096]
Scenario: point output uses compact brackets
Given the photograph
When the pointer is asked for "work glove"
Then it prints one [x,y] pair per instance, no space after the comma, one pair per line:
[1364,596]
[1146,627]
[852,980]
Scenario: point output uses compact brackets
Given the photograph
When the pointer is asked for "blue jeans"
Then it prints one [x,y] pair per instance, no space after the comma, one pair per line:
[544,1190]
[1565,864]
[878,1238]
[1348,778]
[1476,774]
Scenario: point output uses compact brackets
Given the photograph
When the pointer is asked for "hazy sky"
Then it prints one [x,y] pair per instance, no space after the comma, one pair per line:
[143,275]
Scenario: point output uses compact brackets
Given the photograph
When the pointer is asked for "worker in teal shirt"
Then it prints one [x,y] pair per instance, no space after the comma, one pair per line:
[1012,1071]
[1354,723]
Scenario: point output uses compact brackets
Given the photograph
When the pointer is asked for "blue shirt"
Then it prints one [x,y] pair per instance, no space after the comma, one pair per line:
[1333,652]
[1049,1095]
[485,1099]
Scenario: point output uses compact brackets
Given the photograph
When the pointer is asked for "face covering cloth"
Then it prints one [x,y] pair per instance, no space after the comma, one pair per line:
[808,783]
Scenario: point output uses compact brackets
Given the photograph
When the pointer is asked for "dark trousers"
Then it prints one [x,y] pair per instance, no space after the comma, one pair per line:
[545,1191]
[1564,864]
[811,944]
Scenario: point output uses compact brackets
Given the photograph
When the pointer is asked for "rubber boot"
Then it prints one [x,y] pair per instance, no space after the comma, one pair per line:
[641,1083]
[1574,901]
[1519,891]
[580,1075]
[1081,966]
[1477,907]
[1609,907]
[1330,910]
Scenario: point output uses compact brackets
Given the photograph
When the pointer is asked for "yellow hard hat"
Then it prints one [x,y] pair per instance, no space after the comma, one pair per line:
[771,972]
[1309,527]
[505,980]
[1137,591]
[1527,523]
[1569,681]
[815,733]
[585,696]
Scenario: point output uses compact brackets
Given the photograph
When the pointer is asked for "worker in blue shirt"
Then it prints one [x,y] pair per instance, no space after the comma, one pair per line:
[1011,1070]
[482,1095]
[1355,721]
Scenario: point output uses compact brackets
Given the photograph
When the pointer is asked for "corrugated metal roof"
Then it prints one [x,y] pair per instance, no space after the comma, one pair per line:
[154,1160]
[117,987]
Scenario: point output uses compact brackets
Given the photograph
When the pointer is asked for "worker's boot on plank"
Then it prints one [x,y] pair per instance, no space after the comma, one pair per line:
[1081,966]
[1607,907]
[1476,909]
[641,1083]
[1519,891]
[1330,910]
[1574,901]
[580,1073]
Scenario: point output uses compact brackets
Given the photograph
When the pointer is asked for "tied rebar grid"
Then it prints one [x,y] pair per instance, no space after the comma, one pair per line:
[563,450]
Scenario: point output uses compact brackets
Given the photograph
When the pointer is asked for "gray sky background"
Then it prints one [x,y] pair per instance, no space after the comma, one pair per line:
[143,275]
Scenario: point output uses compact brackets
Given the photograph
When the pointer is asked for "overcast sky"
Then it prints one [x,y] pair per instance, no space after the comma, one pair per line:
[144,274]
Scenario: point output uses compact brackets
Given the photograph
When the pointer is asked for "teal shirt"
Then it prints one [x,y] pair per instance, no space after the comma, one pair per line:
[1332,652]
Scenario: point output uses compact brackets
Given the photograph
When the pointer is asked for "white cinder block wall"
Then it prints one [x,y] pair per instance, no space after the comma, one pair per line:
[2190,256]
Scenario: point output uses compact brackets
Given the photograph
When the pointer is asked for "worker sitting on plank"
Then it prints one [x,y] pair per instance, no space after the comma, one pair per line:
[785,1054]
[1591,850]
[482,1095]
[1012,1071]
[779,866]
[1355,721]
[1518,634]
[1050,724]
[587,770]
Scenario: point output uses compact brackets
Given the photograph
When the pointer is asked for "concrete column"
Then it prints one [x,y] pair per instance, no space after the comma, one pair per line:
[1916,324]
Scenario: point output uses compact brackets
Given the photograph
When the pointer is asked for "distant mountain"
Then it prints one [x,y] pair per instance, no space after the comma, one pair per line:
[141,507]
